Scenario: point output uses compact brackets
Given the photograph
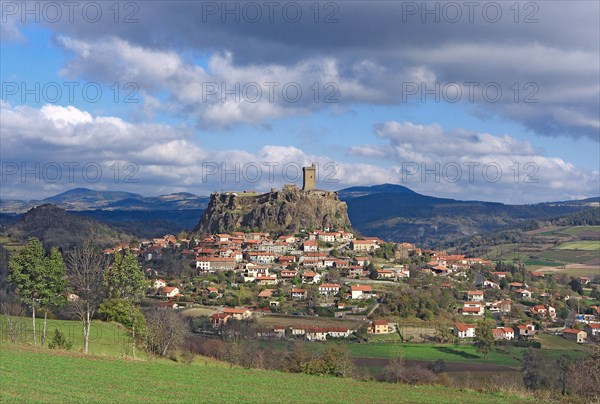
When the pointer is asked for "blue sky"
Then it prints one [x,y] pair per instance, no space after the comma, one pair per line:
[165,61]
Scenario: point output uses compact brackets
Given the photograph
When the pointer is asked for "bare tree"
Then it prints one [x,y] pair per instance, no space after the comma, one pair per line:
[164,329]
[15,320]
[583,376]
[396,370]
[85,269]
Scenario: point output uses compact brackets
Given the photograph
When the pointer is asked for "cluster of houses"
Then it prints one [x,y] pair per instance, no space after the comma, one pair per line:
[257,254]
[527,332]
[304,259]
[222,317]
[475,306]
[260,259]
[444,264]
[518,332]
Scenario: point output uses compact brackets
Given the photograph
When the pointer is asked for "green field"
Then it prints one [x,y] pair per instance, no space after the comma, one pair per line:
[586,245]
[533,262]
[431,352]
[502,251]
[199,312]
[578,230]
[107,339]
[392,337]
[570,256]
[36,377]
[556,342]
[552,347]
[580,245]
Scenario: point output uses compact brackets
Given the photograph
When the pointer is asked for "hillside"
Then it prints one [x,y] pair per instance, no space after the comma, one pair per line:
[72,377]
[146,223]
[55,227]
[87,197]
[396,213]
[567,244]
[289,209]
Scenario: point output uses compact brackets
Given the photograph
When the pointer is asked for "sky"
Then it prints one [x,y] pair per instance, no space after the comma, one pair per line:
[495,101]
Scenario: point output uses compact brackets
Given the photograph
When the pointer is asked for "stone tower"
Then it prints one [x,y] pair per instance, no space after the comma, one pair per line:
[309,177]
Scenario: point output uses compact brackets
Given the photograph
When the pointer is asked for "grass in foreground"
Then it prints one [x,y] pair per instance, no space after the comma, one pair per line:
[106,339]
[53,377]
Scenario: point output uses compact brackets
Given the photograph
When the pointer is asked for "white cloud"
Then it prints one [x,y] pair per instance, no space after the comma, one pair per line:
[224,94]
[168,160]
[465,164]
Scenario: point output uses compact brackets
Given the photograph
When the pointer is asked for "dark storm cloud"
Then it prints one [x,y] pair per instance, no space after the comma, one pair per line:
[552,45]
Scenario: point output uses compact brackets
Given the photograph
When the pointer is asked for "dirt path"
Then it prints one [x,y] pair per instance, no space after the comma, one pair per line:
[450,366]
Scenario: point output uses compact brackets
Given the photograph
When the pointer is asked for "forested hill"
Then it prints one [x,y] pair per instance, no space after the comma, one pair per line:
[519,234]
[55,227]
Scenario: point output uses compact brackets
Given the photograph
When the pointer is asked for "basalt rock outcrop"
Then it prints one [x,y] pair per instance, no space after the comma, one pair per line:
[286,210]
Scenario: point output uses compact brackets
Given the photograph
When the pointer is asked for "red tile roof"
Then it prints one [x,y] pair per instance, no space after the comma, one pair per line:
[462,327]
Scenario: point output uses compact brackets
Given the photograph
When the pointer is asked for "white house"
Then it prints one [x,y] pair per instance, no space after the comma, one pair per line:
[262,257]
[523,294]
[361,291]
[578,336]
[525,331]
[503,333]
[472,309]
[593,329]
[298,294]
[462,330]
[169,291]
[327,237]
[364,245]
[329,289]
[475,296]
[213,264]
[310,277]
[489,284]
[310,246]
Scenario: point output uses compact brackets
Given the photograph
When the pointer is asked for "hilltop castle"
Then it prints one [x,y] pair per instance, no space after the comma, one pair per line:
[309,176]
[289,209]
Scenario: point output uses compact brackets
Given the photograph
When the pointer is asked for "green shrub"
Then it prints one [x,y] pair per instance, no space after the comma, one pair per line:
[59,341]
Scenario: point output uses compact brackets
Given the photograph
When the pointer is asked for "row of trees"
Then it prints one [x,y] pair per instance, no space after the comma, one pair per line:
[580,377]
[334,359]
[95,281]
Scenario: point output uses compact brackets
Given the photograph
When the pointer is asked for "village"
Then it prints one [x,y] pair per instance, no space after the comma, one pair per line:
[297,279]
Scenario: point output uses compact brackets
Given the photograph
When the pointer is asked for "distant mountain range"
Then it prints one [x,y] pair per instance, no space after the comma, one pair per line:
[80,199]
[392,212]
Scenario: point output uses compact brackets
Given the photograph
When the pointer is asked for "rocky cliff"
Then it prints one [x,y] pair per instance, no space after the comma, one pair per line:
[284,210]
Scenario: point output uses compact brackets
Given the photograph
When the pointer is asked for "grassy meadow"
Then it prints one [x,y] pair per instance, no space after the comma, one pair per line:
[573,250]
[106,339]
[36,377]
[586,245]
[432,352]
